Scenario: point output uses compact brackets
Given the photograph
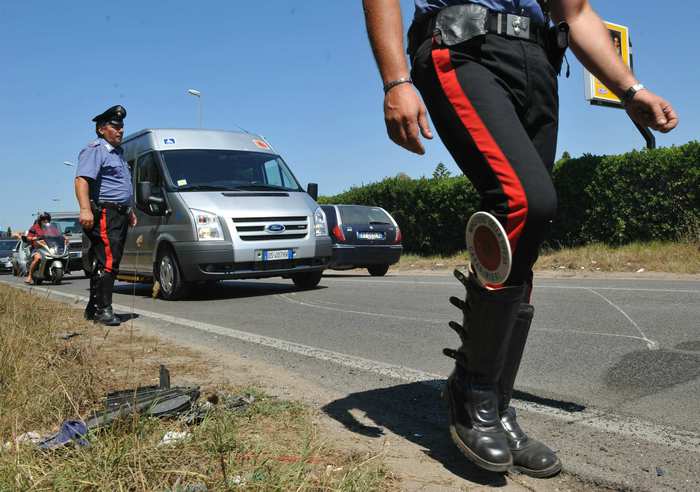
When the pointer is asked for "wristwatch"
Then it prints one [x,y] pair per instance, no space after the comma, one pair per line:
[629,93]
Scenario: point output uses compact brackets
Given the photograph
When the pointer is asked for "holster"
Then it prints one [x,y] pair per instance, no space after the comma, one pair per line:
[557,44]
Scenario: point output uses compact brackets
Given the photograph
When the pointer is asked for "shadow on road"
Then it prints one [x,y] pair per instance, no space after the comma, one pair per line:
[224,290]
[415,412]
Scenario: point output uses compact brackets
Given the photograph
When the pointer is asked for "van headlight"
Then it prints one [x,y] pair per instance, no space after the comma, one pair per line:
[320,224]
[208,226]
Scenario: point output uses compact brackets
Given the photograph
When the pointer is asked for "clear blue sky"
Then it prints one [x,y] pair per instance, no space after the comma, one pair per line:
[300,73]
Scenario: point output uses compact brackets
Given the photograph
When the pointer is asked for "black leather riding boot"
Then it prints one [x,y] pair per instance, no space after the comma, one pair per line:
[530,456]
[104,313]
[472,388]
[91,307]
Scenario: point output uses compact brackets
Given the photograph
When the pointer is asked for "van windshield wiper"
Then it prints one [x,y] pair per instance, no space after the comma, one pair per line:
[206,187]
[264,187]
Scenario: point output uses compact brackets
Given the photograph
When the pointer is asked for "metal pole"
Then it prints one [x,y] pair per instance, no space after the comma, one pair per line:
[649,137]
[200,111]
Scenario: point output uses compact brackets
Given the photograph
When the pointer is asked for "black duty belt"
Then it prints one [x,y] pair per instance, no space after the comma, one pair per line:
[119,207]
[475,19]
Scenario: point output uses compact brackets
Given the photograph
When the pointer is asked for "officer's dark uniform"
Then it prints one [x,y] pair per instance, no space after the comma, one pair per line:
[111,198]
[489,82]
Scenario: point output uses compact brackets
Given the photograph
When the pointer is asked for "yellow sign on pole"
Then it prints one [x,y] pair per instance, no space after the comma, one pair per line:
[596,92]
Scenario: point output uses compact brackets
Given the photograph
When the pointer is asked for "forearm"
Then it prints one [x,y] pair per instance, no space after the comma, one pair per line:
[591,43]
[82,193]
[385,31]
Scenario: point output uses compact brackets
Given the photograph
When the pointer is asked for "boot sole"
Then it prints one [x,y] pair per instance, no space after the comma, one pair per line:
[546,473]
[468,453]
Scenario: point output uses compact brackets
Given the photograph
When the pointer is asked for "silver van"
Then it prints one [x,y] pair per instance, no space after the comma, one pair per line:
[214,205]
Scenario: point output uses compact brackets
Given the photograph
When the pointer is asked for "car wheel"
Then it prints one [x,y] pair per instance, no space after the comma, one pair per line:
[172,285]
[307,280]
[378,270]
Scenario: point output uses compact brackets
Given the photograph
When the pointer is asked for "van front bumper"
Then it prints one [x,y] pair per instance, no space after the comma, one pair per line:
[215,261]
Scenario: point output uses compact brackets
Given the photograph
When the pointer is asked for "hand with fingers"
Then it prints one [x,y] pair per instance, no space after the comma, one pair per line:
[648,109]
[405,117]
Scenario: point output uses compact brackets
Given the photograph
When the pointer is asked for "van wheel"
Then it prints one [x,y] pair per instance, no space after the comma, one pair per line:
[172,285]
[307,280]
[378,270]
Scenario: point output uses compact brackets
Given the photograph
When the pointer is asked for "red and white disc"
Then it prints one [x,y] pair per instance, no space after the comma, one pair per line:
[489,249]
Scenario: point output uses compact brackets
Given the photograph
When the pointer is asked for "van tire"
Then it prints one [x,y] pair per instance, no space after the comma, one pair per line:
[378,270]
[307,280]
[169,276]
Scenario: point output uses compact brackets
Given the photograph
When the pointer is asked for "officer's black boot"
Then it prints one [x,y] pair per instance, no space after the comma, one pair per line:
[530,456]
[472,388]
[91,307]
[104,314]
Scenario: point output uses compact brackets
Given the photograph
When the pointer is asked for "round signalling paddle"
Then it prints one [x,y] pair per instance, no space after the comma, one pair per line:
[488,248]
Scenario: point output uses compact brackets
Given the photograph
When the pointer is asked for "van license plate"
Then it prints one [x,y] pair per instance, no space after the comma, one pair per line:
[277,254]
[372,236]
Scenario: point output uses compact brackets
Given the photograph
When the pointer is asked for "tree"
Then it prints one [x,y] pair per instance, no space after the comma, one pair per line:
[441,172]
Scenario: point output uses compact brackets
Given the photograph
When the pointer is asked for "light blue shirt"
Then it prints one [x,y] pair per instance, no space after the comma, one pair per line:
[529,8]
[109,172]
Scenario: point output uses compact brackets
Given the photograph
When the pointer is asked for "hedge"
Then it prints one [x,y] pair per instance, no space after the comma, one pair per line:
[638,196]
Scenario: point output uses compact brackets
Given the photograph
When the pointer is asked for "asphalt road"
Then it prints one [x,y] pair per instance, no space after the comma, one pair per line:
[622,348]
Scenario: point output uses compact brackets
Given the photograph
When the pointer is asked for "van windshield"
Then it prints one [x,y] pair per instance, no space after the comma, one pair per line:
[210,170]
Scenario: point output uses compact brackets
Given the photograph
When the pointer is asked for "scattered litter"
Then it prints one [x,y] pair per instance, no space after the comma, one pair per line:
[237,480]
[68,335]
[641,270]
[30,437]
[71,431]
[173,437]
[417,435]
[660,472]
[562,267]
[190,487]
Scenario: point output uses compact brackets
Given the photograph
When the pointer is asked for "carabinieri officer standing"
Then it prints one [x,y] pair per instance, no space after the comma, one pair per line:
[104,192]
[487,73]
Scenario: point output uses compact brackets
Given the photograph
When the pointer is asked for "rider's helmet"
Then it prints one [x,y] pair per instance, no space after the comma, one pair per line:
[44,216]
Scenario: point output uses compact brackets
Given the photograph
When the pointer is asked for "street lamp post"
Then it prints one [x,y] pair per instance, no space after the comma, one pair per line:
[198,95]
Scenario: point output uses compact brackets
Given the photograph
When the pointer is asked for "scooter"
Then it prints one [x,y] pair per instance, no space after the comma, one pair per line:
[54,259]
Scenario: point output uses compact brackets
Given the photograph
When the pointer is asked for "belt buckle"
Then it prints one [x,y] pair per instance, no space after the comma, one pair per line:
[518,26]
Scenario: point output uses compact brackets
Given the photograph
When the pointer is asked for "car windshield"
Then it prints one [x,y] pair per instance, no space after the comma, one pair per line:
[356,214]
[7,246]
[68,225]
[222,170]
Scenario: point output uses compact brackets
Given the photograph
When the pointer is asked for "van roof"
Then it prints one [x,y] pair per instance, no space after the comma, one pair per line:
[197,138]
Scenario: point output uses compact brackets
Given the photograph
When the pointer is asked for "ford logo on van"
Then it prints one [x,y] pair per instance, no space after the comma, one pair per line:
[275,228]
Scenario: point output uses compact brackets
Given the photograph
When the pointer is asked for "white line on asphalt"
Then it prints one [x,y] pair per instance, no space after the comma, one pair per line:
[599,420]
[650,343]
[537,285]
[287,298]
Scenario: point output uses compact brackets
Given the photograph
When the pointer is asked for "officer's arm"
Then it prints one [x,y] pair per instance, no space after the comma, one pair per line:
[591,43]
[404,113]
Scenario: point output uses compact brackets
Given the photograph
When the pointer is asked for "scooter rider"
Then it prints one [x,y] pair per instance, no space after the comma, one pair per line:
[41,228]
[486,71]
[104,193]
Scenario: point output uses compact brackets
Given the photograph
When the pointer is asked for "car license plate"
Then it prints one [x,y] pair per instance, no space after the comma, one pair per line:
[372,236]
[277,254]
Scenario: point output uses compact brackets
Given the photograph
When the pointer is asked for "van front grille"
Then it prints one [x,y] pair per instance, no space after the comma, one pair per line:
[257,228]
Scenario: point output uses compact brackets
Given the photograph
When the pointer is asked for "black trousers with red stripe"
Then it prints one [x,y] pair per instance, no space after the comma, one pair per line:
[494,103]
[107,239]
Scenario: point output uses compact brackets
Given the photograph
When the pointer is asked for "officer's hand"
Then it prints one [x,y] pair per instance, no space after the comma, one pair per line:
[648,109]
[404,115]
[132,219]
[86,219]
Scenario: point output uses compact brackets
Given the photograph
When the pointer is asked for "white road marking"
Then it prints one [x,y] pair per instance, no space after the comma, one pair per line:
[653,345]
[595,419]
[537,285]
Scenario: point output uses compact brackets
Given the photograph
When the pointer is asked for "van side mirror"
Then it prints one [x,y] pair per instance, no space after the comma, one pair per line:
[143,192]
[312,190]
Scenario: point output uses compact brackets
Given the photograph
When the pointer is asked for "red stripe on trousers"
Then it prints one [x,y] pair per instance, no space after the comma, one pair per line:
[517,201]
[105,239]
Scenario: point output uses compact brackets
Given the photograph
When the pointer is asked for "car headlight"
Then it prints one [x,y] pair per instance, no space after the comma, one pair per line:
[208,226]
[320,224]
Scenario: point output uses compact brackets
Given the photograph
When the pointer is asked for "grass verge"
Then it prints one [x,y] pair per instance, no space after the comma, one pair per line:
[271,445]
[681,258]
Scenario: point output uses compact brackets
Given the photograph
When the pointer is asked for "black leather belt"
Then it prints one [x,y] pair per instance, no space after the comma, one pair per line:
[501,23]
[121,208]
